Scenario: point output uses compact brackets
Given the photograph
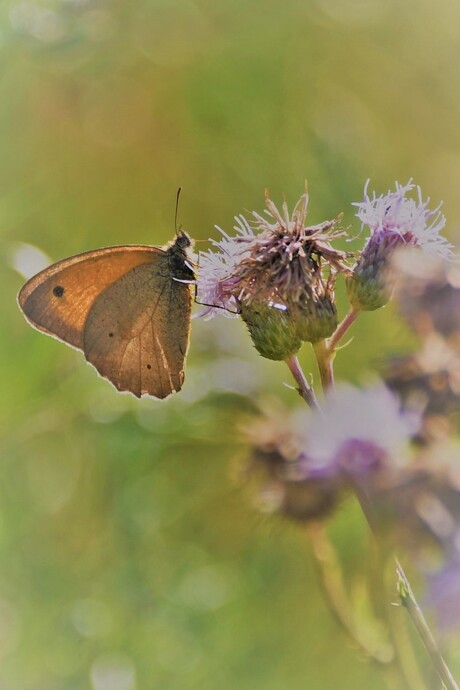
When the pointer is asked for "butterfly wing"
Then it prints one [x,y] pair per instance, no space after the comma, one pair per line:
[137,331]
[57,300]
[130,290]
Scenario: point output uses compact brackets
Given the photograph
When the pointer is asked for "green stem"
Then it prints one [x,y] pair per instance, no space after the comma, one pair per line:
[404,655]
[341,329]
[409,602]
[304,389]
[335,596]
[324,358]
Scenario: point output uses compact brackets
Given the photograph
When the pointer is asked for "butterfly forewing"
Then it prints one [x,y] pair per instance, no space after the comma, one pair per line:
[58,299]
[123,307]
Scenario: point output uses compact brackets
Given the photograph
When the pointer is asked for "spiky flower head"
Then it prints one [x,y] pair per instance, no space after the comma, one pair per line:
[394,219]
[279,274]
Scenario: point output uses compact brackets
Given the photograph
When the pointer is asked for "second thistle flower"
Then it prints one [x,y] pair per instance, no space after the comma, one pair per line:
[395,220]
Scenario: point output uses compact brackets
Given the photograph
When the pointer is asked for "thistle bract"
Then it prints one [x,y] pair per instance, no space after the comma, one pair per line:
[317,318]
[273,330]
[369,285]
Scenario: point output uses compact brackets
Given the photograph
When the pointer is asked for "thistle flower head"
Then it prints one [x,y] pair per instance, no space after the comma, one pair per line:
[286,257]
[394,220]
[279,273]
[271,258]
[408,220]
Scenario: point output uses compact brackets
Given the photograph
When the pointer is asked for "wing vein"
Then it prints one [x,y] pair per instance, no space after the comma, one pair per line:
[131,339]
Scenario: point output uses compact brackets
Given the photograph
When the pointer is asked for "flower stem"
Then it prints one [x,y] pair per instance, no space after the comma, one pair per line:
[304,389]
[341,329]
[409,602]
[324,358]
[330,579]
[404,656]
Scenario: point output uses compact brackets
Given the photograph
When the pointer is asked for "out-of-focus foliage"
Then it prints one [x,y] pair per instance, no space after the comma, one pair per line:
[131,556]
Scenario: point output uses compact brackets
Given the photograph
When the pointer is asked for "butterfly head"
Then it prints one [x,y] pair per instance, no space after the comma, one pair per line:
[180,258]
[183,240]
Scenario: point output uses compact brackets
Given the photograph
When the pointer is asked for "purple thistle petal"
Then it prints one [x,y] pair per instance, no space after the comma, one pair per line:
[406,217]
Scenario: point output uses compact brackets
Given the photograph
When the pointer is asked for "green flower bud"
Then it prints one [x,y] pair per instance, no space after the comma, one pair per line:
[317,319]
[273,330]
[369,286]
[367,290]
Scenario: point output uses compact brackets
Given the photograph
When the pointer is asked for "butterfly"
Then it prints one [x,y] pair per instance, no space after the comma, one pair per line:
[127,308]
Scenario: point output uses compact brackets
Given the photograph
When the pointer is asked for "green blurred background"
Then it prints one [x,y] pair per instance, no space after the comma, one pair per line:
[132,556]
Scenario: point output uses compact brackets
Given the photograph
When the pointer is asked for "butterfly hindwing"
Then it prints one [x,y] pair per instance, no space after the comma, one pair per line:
[136,333]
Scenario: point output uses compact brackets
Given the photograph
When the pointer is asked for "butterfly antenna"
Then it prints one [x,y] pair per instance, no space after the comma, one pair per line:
[177,209]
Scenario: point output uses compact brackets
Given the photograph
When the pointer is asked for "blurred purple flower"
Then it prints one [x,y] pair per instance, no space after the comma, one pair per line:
[428,381]
[443,594]
[311,458]
[428,293]
[357,430]
[285,484]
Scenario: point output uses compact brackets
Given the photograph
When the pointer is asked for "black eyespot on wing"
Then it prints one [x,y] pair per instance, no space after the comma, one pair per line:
[110,335]
[149,366]
[58,291]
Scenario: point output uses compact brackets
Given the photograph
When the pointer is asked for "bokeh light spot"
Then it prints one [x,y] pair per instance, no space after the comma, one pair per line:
[27,259]
[113,672]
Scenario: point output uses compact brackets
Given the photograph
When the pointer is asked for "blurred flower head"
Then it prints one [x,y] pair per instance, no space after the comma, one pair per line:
[284,484]
[356,431]
[312,457]
[428,293]
[428,381]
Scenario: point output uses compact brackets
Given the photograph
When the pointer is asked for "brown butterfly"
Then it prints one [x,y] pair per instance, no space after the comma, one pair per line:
[124,307]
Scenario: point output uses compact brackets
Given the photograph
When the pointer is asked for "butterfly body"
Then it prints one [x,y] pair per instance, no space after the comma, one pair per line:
[125,307]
